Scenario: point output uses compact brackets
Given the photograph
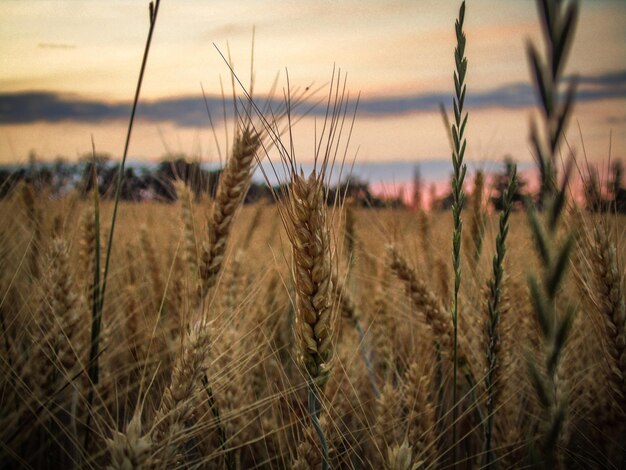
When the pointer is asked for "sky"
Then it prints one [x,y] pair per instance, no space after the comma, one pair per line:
[68,71]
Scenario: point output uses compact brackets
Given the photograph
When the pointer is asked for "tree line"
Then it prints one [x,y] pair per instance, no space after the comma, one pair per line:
[157,184]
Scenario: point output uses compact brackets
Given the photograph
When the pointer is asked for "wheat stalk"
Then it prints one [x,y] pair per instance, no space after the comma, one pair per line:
[558,28]
[554,327]
[492,324]
[458,196]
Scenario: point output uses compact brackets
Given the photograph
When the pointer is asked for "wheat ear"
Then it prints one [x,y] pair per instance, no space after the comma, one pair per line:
[388,427]
[421,415]
[312,273]
[87,248]
[34,216]
[231,189]
[424,300]
[190,253]
[180,397]
[350,312]
[383,334]
[400,457]
[312,256]
[153,267]
[130,449]
[63,303]
[458,197]
[610,296]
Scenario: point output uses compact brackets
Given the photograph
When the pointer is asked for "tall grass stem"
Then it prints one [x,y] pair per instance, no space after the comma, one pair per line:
[101,289]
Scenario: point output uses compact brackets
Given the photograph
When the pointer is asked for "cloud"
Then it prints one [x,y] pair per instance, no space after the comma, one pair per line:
[615,78]
[52,45]
[509,96]
[20,108]
[190,111]
[186,111]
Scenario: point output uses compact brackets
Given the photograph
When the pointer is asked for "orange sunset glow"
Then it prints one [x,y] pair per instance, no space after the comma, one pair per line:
[396,54]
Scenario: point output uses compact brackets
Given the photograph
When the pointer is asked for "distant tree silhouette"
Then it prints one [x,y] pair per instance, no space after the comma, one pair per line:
[258,192]
[198,180]
[8,180]
[359,192]
[101,163]
[158,183]
[444,203]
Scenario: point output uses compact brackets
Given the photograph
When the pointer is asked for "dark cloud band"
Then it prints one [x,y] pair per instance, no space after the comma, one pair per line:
[29,107]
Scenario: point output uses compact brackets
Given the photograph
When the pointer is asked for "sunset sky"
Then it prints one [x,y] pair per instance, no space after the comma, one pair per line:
[69,68]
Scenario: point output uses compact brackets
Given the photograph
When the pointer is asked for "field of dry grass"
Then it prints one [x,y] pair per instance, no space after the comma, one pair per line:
[233,392]
[208,334]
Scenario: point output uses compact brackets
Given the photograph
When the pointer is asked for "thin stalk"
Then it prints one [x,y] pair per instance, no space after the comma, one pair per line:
[459,144]
[365,353]
[96,313]
[559,23]
[554,319]
[5,334]
[221,433]
[101,289]
[120,177]
[493,309]
[314,413]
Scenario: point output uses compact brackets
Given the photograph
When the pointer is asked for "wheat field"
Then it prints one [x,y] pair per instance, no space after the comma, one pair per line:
[386,402]
[315,332]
